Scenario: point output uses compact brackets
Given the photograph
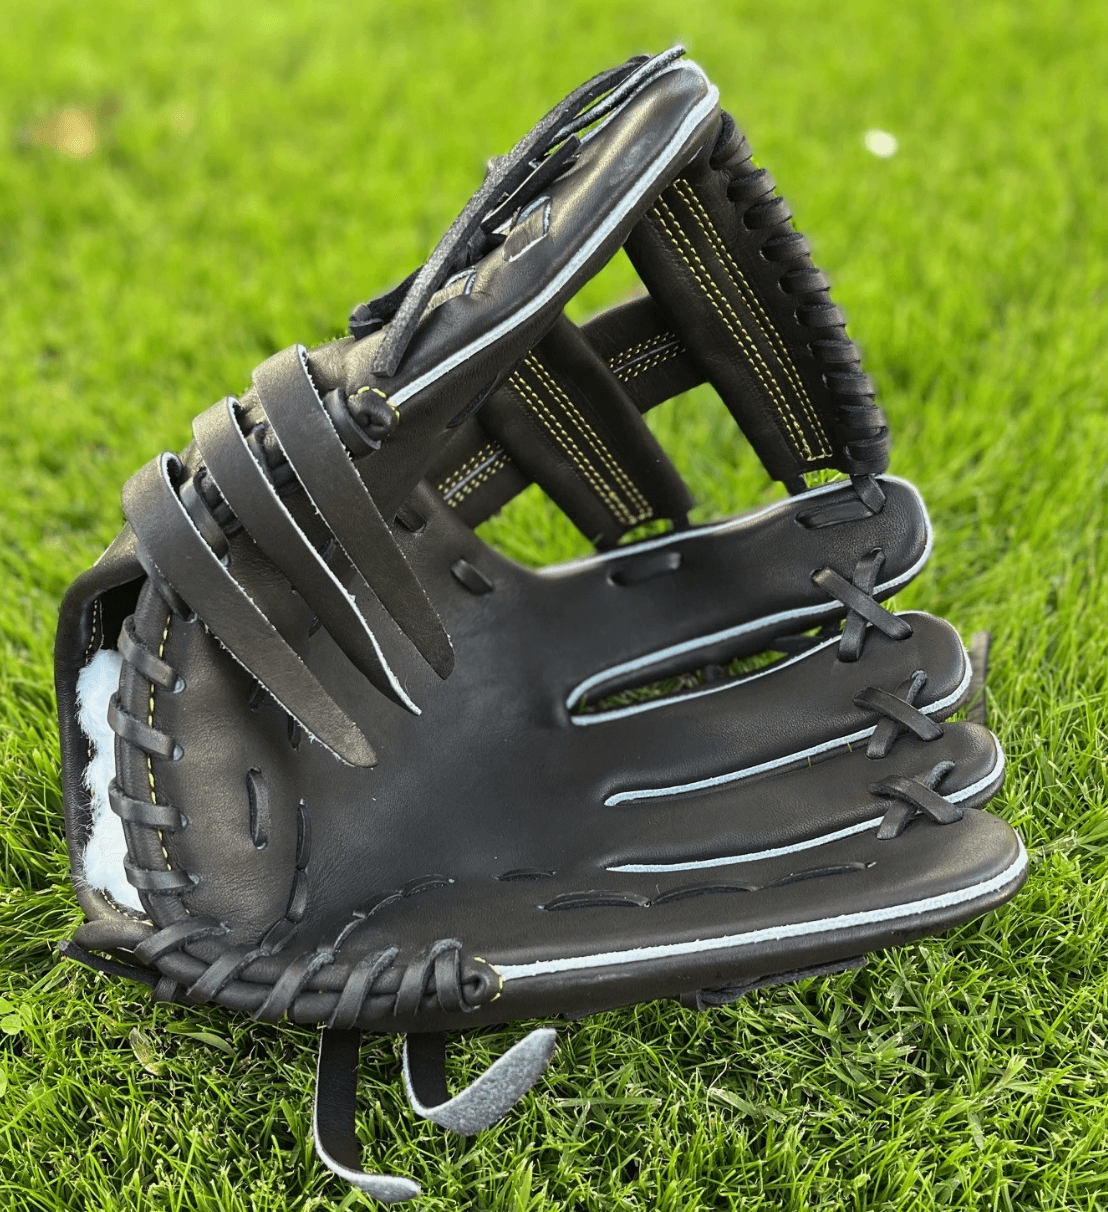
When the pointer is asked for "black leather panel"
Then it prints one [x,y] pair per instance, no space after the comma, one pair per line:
[709,257]
[566,422]
[566,813]
[514,300]
[251,495]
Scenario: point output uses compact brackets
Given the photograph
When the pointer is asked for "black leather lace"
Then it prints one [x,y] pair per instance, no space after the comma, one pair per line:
[862,607]
[862,433]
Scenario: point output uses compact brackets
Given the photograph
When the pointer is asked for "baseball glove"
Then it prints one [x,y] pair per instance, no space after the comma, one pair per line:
[328,755]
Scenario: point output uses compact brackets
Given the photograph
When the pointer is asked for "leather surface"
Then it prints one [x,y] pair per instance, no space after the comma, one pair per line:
[527,784]
[523,846]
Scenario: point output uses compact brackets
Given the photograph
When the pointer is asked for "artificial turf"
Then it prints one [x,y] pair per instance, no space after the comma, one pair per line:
[255,172]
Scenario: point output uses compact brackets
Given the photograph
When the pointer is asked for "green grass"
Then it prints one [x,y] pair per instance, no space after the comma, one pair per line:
[257,173]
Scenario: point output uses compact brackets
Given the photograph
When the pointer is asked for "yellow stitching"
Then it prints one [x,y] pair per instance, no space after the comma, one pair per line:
[642,347]
[378,392]
[606,492]
[149,760]
[632,372]
[704,222]
[497,458]
[745,341]
[603,453]
[500,987]
[499,463]
[455,477]
[557,431]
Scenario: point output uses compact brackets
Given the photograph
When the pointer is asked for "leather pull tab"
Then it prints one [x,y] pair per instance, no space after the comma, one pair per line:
[336,1091]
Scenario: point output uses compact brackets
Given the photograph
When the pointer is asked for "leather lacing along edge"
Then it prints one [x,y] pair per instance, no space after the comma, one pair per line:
[434,976]
[408,991]
[862,431]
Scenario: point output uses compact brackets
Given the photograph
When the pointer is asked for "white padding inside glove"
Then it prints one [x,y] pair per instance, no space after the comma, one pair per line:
[102,861]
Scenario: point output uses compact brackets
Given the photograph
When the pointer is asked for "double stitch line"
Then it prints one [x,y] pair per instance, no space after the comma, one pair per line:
[459,474]
[605,456]
[627,373]
[557,431]
[477,478]
[685,249]
[704,222]
[642,347]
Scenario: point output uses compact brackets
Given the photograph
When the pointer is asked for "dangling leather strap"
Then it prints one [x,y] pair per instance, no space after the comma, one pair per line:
[171,544]
[324,468]
[252,497]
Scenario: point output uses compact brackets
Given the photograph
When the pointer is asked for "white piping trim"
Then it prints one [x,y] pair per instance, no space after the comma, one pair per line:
[825,925]
[719,780]
[799,615]
[619,713]
[554,287]
[233,407]
[735,860]
[714,528]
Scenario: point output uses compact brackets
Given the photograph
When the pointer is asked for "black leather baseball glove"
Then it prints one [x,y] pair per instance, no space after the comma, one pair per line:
[328,755]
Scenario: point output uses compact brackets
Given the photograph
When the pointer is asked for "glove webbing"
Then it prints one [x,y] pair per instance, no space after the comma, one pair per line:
[736,301]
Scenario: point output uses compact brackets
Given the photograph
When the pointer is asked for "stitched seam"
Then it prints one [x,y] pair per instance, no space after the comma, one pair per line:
[499,464]
[632,372]
[605,455]
[554,427]
[711,233]
[632,350]
[149,759]
[742,338]
[459,473]
[557,431]
[489,454]
[455,477]
[477,477]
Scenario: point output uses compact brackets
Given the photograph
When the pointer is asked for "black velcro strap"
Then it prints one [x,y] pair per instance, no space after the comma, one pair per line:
[324,468]
[168,540]
[336,1100]
[426,1056]
[253,498]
